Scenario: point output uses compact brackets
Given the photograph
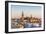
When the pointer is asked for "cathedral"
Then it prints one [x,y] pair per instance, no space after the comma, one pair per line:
[30,19]
[19,23]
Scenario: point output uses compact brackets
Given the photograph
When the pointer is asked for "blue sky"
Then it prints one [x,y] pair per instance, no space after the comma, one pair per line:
[27,10]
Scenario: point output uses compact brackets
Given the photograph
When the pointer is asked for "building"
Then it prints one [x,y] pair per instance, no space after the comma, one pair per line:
[26,21]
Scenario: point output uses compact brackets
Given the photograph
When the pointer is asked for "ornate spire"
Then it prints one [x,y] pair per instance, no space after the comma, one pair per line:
[22,14]
[31,15]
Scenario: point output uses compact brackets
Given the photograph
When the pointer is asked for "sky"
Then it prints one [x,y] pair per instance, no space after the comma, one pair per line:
[17,10]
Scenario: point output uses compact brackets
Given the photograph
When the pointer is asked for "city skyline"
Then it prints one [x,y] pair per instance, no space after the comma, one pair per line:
[27,10]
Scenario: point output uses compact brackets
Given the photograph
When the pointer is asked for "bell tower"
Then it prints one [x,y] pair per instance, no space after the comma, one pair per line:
[22,16]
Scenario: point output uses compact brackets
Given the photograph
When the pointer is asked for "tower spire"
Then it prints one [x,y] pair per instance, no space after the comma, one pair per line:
[22,14]
[31,15]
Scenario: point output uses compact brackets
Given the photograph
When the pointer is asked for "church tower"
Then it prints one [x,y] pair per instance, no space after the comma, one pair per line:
[22,16]
[31,15]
